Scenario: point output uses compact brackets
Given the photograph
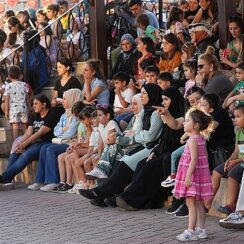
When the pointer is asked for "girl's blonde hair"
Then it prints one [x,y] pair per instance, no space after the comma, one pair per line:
[204,121]
[210,58]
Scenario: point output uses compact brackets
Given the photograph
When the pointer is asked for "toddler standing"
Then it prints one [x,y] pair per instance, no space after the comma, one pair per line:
[193,180]
[16,101]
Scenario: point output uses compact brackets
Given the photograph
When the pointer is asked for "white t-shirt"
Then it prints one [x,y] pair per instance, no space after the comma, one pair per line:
[127,95]
[103,130]
[93,142]
[17,92]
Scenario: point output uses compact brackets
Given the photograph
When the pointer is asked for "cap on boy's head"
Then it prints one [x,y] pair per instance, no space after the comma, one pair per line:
[122,76]
[239,105]
[14,72]
[166,76]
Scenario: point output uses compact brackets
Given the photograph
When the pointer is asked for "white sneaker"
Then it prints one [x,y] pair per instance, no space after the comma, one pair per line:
[48,187]
[168,182]
[234,220]
[201,233]
[96,174]
[35,186]
[187,236]
[76,187]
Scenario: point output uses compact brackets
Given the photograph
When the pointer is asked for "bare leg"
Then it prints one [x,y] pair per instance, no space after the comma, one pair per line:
[191,204]
[216,178]
[200,214]
[79,165]
[233,188]
[16,129]
[88,166]
[70,164]
[61,167]
[69,170]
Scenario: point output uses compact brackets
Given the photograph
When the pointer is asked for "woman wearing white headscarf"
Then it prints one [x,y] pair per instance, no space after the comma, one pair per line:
[66,129]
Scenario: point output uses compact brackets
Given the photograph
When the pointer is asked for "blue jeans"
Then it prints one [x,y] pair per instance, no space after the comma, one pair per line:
[174,156]
[18,161]
[47,169]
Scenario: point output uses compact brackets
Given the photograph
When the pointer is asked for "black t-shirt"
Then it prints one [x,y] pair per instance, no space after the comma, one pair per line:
[224,134]
[50,120]
[71,83]
[190,15]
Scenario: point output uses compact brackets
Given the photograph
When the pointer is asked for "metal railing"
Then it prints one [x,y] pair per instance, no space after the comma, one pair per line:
[120,20]
[16,56]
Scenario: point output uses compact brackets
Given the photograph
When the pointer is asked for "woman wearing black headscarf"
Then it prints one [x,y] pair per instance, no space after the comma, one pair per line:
[145,191]
[151,127]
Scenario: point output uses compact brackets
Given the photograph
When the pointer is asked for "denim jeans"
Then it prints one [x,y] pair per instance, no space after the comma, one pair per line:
[174,156]
[47,169]
[18,161]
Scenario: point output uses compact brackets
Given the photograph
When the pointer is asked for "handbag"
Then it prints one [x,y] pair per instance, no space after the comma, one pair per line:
[57,140]
[217,157]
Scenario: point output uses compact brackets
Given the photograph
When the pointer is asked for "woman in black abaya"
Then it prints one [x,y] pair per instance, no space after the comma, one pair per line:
[145,191]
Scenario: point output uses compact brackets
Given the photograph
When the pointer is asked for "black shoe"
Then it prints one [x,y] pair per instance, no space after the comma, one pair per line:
[121,203]
[98,202]
[89,194]
[60,185]
[1,179]
[183,212]
[110,202]
[175,206]
[226,209]
[62,188]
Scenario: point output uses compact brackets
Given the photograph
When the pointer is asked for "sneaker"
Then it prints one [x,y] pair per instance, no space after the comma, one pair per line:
[187,236]
[226,209]
[35,186]
[175,206]
[201,233]
[168,182]
[74,189]
[233,221]
[60,185]
[48,187]
[183,212]
[63,189]
[96,173]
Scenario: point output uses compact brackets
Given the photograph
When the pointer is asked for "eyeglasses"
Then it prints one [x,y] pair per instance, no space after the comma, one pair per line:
[200,66]
[102,106]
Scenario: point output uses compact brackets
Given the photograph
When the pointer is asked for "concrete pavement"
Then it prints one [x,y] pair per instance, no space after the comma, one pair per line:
[36,217]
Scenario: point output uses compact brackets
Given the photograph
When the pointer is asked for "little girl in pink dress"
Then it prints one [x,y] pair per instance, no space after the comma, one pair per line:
[193,180]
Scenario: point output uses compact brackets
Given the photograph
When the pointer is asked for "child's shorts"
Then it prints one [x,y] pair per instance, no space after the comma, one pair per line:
[235,173]
[18,118]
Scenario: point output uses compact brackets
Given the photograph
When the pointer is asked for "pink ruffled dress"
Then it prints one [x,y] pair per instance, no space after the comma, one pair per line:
[201,187]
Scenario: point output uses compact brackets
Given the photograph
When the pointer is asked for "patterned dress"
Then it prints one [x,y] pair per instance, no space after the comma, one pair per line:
[201,187]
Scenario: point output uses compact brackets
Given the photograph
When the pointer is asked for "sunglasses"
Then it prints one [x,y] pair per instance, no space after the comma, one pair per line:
[200,66]
[102,106]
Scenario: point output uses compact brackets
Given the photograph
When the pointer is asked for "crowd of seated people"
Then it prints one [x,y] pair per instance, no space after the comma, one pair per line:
[161,123]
